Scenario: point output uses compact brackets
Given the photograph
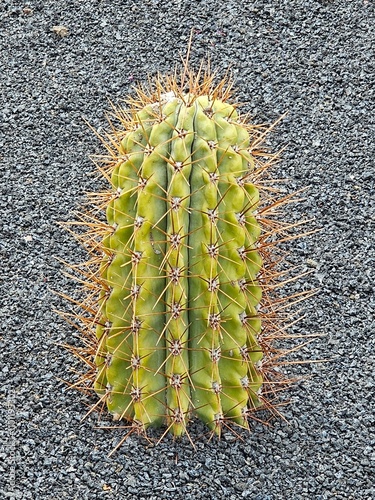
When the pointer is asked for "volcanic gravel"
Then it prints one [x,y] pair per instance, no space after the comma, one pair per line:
[313,59]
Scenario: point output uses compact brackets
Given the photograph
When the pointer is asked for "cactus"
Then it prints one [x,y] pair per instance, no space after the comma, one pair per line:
[179,320]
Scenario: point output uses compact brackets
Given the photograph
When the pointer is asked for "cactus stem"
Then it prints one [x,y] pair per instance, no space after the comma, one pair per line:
[181,313]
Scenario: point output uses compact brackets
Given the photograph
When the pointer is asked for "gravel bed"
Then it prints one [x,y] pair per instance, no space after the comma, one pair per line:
[314,59]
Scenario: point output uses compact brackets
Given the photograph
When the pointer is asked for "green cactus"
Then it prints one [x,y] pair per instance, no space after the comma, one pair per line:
[181,263]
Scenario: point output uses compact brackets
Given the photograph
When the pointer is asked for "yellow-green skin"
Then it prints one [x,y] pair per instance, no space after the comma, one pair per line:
[179,325]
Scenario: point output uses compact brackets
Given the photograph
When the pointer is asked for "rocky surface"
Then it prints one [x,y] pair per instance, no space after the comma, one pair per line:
[60,63]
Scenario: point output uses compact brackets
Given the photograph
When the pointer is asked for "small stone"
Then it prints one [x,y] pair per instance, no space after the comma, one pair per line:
[312,263]
[60,30]
[240,486]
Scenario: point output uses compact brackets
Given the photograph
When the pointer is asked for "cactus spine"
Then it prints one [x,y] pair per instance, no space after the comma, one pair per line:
[181,263]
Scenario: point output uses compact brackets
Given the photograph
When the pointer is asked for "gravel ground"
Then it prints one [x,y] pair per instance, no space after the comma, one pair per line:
[314,59]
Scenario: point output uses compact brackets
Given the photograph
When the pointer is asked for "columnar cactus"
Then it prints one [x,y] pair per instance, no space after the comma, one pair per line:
[178,267]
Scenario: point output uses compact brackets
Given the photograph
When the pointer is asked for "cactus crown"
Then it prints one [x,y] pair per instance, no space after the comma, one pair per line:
[179,319]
